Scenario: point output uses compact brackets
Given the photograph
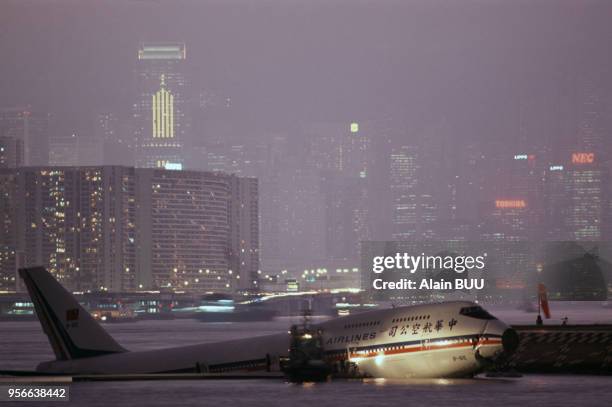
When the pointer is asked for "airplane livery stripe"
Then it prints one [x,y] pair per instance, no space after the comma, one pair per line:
[427,348]
[416,346]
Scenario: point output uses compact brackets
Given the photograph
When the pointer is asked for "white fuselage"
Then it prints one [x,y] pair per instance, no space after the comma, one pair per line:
[432,340]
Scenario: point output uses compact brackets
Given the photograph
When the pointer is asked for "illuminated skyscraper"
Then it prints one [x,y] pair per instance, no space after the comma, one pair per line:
[414,208]
[404,194]
[160,119]
[556,203]
[586,191]
[342,156]
[8,227]
[182,230]
[78,222]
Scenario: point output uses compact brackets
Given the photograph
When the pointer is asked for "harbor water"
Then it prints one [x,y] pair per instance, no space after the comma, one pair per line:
[23,345]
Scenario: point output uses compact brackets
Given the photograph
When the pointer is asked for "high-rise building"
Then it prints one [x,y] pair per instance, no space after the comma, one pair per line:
[11,152]
[182,230]
[118,228]
[591,115]
[63,150]
[403,177]
[116,146]
[78,222]
[160,112]
[587,197]
[556,203]
[414,206]
[31,130]
[244,233]
[8,230]
[341,153]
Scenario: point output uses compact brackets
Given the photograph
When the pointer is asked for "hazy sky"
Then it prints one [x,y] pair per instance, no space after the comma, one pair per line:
[286,61]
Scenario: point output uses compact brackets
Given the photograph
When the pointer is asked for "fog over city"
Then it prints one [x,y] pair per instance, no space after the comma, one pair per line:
[470,63]
[360,120]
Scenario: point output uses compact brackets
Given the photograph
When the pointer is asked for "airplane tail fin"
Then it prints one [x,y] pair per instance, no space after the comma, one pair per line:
[71,330]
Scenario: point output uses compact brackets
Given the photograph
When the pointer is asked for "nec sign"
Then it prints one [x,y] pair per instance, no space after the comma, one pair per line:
[583,158]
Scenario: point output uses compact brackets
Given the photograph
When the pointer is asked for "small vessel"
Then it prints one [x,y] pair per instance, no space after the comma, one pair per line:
[116,313]
[306,361]
[221,308]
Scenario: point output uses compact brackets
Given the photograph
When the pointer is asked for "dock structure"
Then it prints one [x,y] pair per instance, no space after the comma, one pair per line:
[581,349]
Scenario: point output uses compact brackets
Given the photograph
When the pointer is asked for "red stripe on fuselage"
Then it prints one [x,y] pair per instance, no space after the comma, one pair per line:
[431,347]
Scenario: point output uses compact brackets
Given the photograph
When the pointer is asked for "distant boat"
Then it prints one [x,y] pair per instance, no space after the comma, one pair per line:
[220,308]
[120,314]
[242,314]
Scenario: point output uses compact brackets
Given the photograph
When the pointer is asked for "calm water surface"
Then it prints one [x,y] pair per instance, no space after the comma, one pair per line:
[23,345]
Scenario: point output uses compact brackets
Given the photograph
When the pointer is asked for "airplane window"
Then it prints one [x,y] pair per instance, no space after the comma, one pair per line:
[476,312]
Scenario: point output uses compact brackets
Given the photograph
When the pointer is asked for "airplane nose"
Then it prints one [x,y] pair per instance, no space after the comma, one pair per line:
[510,341]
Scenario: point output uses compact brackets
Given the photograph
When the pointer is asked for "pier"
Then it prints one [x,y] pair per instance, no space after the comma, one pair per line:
[579,349]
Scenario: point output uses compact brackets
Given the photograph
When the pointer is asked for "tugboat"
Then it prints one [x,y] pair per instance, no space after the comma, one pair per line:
[306,361]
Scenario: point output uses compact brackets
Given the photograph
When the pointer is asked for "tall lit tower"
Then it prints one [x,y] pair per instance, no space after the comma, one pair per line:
[160,120]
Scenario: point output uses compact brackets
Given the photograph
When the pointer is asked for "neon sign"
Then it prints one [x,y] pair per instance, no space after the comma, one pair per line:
[583,158]
[510,203]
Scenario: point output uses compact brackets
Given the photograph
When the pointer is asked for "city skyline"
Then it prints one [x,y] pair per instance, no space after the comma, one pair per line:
[354,128]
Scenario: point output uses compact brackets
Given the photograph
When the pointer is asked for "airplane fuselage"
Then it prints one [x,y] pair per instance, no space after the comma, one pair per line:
[432,340]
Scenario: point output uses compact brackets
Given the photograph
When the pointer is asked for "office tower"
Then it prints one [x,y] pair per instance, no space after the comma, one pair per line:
[587,197]
[341,153]
[525,172]
[11,152]
[160,113]
[8,234]
[556,203]
[73,150]
[506,220]
[591,114]
[63,150]
[403,177]
[31,130]
[115,228]
[244,233]
[183,230]
[301,215]
[270,203]
[78,222]
[414,212]
[116,139]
